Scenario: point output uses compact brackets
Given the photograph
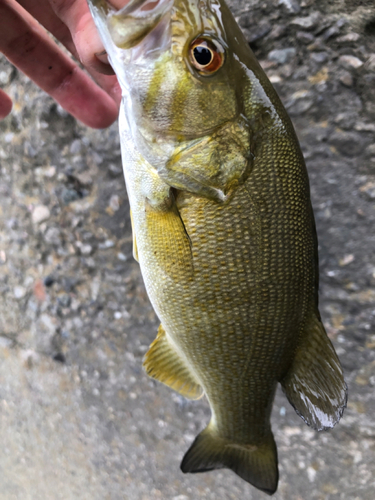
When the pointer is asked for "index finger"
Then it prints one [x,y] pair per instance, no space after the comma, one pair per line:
[25,43]
[5,104]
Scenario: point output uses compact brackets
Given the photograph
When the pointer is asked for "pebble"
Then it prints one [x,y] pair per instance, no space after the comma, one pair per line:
[299,103]
[365,127]
[19,292]
[114,170]
[75,147]
[348,38]
[334,30]
[370,63]
[319,57]
[350,62]
[292,6]
[84,248]
[368,190]
[106,244]
[114,202]
[282,56]
[258,31]
[305,37]
[5,343]
[40,214]
[52,236]
[347,143]
[347,79]
[308,22]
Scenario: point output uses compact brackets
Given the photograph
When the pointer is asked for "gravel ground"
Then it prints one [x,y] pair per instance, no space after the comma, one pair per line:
[78,417]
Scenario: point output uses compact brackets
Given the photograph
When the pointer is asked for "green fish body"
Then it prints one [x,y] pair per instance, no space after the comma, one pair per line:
[223,230]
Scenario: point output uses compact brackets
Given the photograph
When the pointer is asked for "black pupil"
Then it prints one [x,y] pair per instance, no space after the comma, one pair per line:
[202,55]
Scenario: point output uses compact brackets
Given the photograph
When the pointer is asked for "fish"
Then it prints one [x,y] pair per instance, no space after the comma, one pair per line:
[223,230]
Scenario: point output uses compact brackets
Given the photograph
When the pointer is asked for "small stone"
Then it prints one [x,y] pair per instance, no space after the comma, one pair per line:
[365,127]
[69,195]
[350,62]
[106,244]
[308,22]
[348,38]
[347,259]
[114,202]
[52,236]
[76,147]
[5,343]
[368,190]
[347,79]
[304,37]
[292,6]
[19,292]
[370,150]
[299,103]
[122,256]
[49,281]
[39,291]
[334,30]
[311,474]
[319,57]
[64,300]
[84,248]
[84,178]
[347,143]
[282,56]
[114,170]
[3,257]
[258,32]
[117,315]
[40,214]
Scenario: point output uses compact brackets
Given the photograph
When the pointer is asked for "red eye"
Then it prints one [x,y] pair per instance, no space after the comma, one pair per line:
[206,56]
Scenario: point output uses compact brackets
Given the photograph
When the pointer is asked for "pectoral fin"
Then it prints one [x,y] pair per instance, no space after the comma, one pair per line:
[314,385]
[163,363]
[169,240]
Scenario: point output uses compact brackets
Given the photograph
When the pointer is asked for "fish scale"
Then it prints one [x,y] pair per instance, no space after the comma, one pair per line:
[223,230]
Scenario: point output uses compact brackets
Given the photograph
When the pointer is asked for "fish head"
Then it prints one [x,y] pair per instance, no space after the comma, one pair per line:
[186,73]
[176,61]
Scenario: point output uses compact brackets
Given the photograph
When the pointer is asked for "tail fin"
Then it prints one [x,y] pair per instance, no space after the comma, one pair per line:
[255,464]
[315,384]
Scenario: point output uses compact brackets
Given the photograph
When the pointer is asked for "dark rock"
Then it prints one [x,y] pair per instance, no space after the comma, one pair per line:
[347,143]
[282,56]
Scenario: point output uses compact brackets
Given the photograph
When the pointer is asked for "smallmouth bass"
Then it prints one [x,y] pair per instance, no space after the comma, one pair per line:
[223,229]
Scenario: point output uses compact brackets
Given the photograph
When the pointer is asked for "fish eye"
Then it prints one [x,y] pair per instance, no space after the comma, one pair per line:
[207,56]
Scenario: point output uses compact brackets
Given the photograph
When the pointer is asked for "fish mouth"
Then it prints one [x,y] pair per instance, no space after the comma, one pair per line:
[131,24]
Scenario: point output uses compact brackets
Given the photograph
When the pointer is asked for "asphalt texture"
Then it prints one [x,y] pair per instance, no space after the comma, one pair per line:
[78,417]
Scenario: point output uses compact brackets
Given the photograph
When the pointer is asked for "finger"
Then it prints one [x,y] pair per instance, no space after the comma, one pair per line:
[5,104]
[76,15]
[44,14]
[24,42]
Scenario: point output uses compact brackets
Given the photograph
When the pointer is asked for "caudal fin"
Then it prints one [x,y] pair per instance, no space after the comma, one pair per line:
[315,384]
[255,464]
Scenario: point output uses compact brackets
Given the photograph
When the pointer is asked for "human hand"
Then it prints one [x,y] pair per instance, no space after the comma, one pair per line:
[27,45]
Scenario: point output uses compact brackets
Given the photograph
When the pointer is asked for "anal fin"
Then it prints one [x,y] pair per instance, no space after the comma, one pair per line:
[314,384]
[164,364]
